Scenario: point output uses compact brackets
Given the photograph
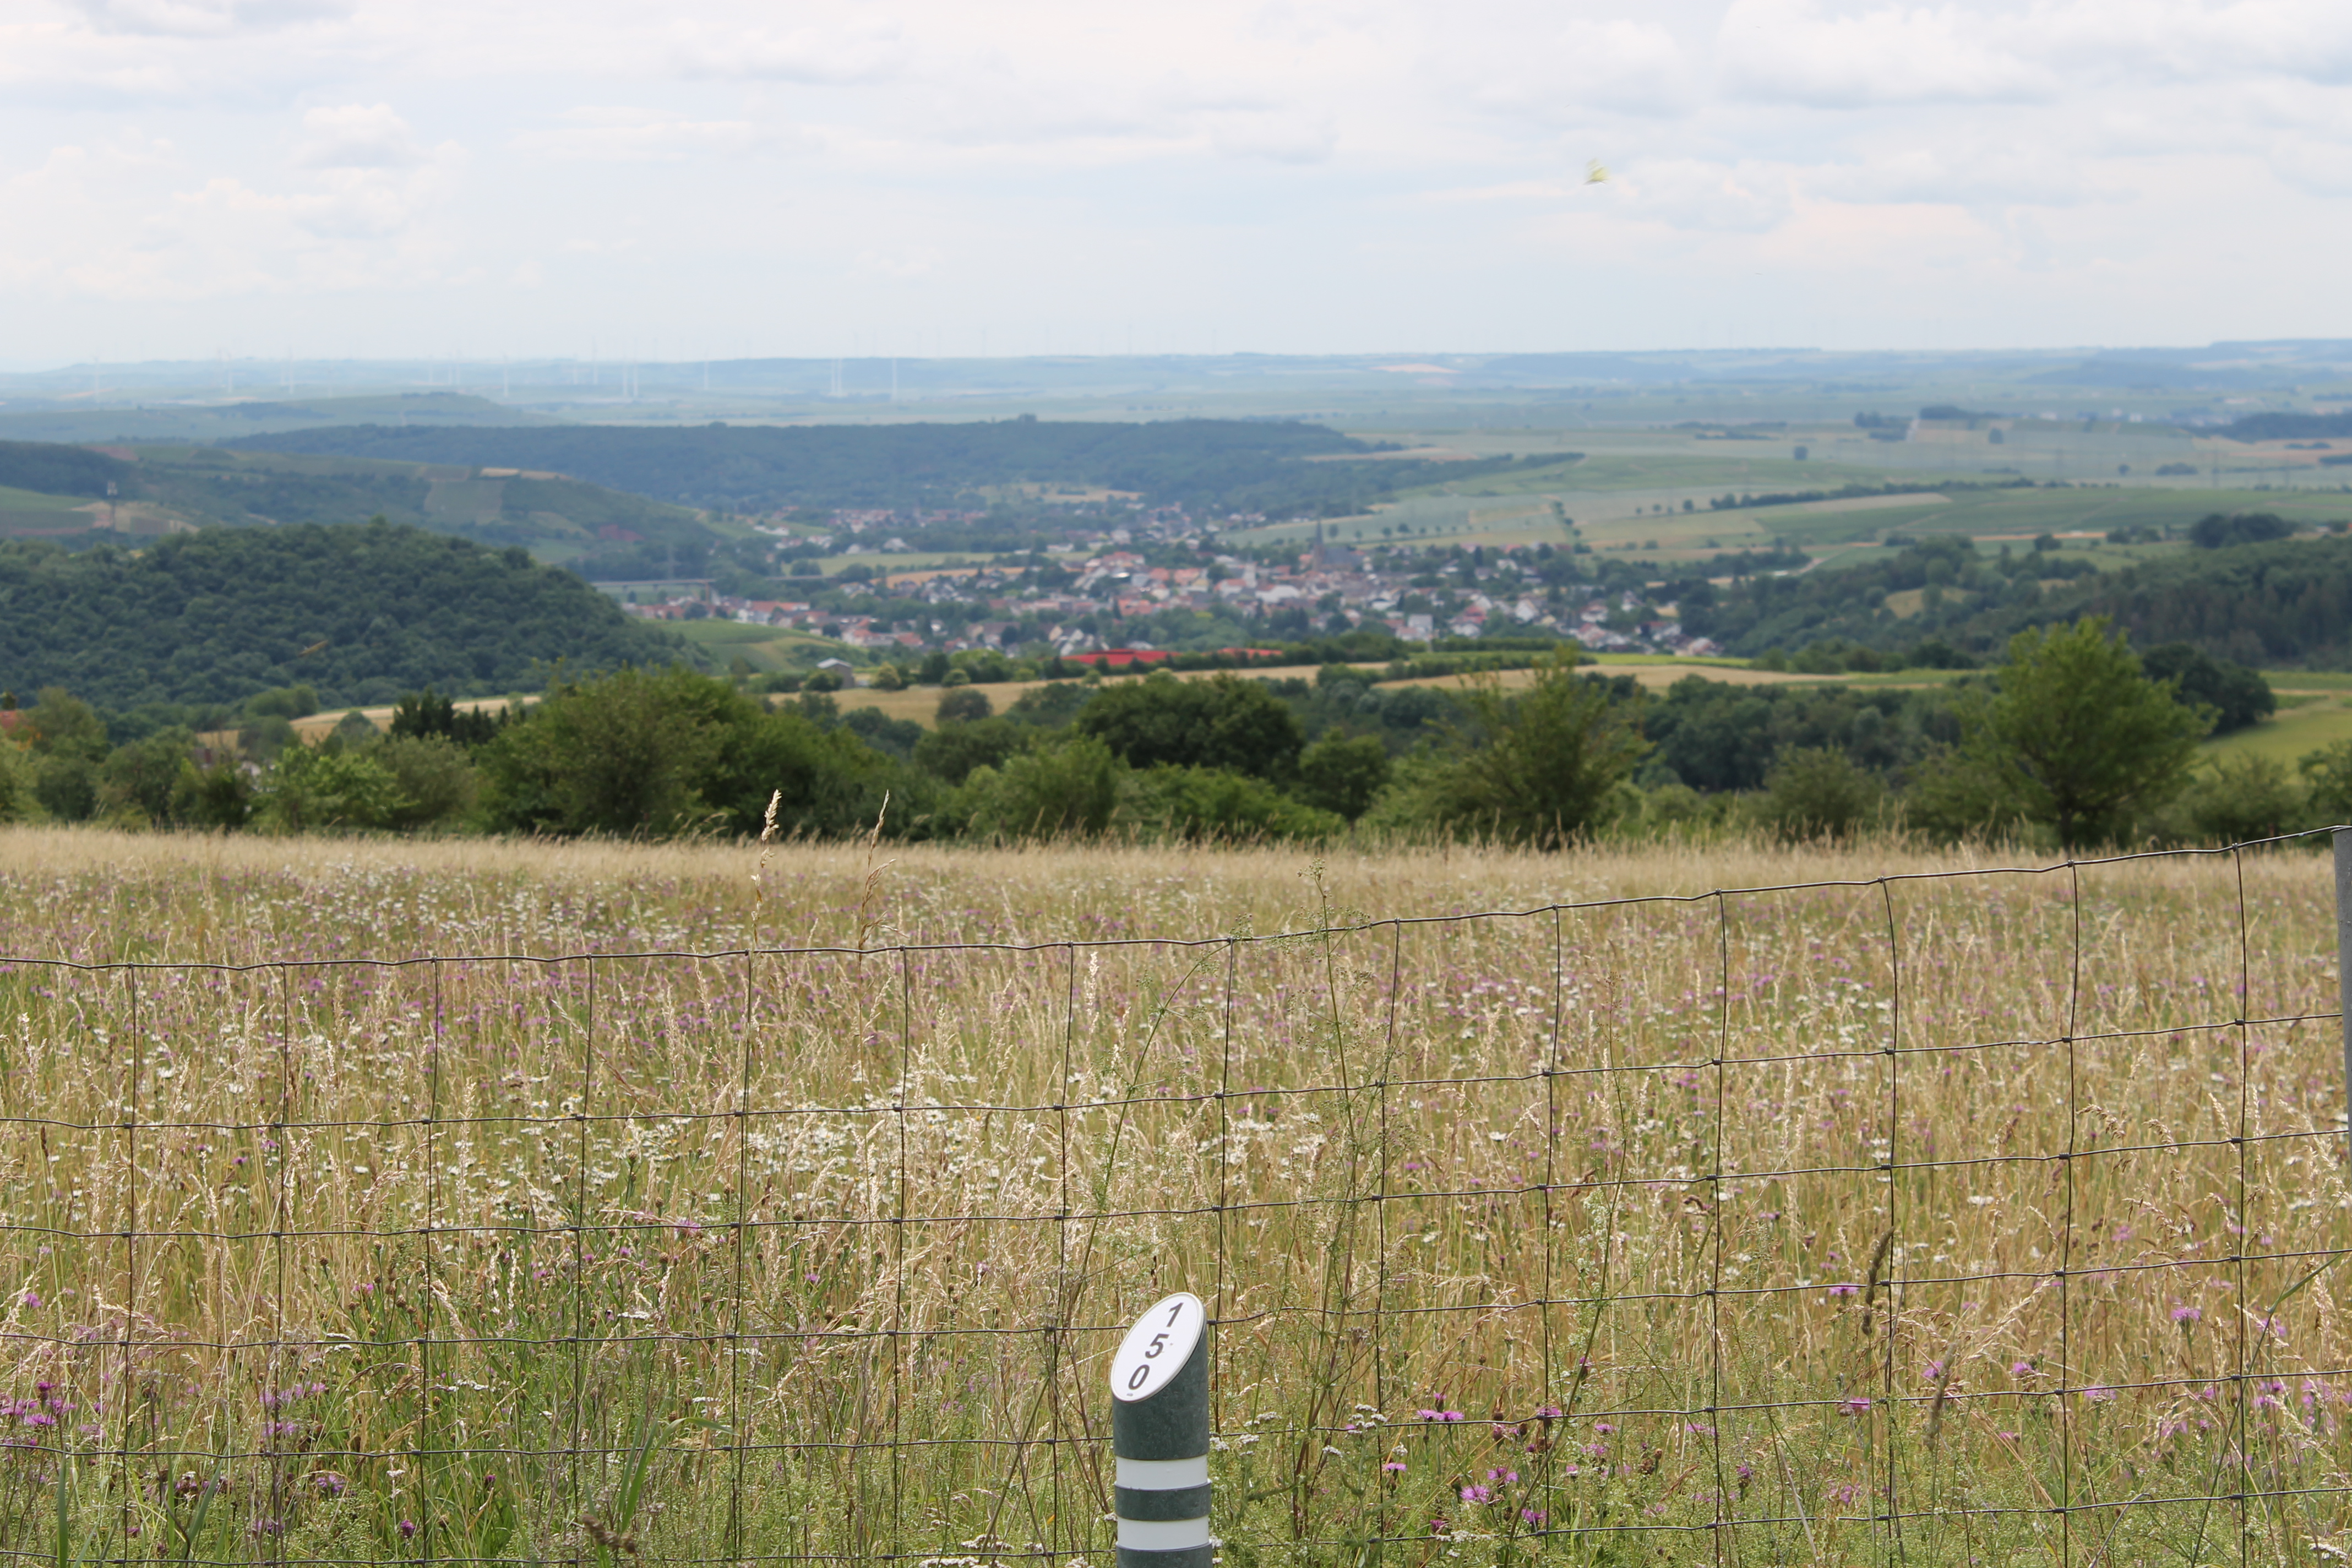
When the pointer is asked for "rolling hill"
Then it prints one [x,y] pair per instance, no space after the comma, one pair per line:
[178,420]
[61,493]
[1212,466]
[361,613]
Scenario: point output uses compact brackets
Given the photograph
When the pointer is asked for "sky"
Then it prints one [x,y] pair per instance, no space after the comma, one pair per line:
[724,178]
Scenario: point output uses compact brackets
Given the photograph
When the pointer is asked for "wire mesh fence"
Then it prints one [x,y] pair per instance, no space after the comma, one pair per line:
[1978,1217]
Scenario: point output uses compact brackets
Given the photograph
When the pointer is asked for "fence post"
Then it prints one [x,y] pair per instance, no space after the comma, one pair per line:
[1159,1436]
[2343,839]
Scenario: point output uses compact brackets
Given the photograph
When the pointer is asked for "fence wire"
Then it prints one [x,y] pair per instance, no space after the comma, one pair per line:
[1980,1216]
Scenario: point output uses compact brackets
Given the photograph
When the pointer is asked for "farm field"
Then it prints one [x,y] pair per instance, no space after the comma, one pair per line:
[922,702]
[1635,518]
[764,649]
[2307,719]
[526,1201]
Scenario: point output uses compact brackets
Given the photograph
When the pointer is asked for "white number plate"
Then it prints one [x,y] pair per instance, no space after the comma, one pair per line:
[1161,1342]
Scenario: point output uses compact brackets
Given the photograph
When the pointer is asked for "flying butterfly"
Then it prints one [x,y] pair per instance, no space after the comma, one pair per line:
[314,647]
[1595,174]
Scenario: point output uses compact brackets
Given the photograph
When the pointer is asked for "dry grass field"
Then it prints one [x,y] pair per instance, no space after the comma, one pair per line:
[388,1201]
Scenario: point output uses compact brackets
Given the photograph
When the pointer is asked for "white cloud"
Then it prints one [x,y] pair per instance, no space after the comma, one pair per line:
[358,136]
[638,136]
[205,19]
[1794,51]
[1280,136]
[137,218]
[1694,194]
[2316,168]
[1615,65]
[854,53]
[1386,157]
[1958,172]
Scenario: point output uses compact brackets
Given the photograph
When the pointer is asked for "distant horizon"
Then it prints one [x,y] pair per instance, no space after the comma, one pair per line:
[263,360]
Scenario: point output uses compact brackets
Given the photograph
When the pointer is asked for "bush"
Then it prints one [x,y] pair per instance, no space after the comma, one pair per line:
[1071,789]
[1671,811]
[18,803]
[436,781]
[1216,804]
[219,798]
[2235,800]
[313,789]
[1818,792]
[2327,779]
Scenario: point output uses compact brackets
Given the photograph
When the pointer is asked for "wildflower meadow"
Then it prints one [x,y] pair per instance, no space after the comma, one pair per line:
[374,1202]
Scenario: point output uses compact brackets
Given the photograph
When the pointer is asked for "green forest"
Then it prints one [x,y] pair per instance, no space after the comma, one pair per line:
[360,613]
[2284,603]
[1277,468]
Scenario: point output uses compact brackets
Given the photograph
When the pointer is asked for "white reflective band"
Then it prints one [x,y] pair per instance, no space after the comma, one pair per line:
[1163,1475]
[1163,1534]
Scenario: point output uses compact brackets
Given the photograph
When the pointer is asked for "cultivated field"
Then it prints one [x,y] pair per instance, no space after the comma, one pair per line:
[413,1201]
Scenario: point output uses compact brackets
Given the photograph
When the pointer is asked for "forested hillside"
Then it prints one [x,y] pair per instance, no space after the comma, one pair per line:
[1217,465]
[2283,603]
[2288,603]
[361,613]
[63,493]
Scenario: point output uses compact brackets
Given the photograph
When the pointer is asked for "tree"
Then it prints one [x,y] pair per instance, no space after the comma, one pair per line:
[1341,774]
[1536,766]
[2077,737]
[626,755]
[951,751]
[59,725]
[17,802]
[2239,697]
[1223,722]
[1074,788]
[2215,531]
[138,784]
[646,753]
[962,704]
